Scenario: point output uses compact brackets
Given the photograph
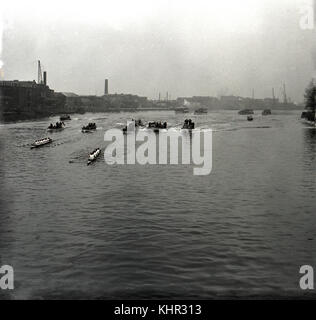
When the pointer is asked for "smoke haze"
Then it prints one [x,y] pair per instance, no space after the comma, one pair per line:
[147,47]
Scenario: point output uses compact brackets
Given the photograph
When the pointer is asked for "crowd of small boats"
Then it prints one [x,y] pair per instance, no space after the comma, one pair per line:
[156,126]
[60,125]
[250,112]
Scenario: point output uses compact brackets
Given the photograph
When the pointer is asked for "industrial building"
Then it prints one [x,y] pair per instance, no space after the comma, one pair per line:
[29,99]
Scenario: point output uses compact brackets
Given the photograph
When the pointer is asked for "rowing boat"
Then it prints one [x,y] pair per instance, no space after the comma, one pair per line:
[93,156]
[41,142]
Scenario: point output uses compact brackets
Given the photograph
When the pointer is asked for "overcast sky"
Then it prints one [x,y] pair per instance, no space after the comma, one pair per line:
[148,46]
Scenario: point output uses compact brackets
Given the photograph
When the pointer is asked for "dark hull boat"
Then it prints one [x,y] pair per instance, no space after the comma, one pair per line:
[266,112]
[250,118]
[201,111]
[93,156]
[57,127]
[65,118]
[309,117]
[41,143]
[157,126]
[188,125]
[309,114]
[182,110]
[89,128]
[246,112]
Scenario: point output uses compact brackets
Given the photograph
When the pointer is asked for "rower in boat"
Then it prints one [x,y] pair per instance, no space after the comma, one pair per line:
[93,156]
[89,127]
[188,124]
[58,126]
[130,127]
[41,142]
[157,125]
[138,124]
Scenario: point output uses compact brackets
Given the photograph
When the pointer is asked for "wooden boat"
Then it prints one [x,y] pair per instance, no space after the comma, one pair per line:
[245,112]
[201,111]
[157,125]
[65,117]
[93,156]
[56,127]
[309,117]
[41,142]
[90,127]
[267,112]
[188,124]
[182,110]
[250,118]
[309,114]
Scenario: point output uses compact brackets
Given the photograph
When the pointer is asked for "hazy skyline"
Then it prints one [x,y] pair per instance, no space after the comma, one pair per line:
[147,47]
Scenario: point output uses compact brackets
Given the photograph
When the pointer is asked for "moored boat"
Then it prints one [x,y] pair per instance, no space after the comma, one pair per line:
[41,142]
[65,117]
[201,111]
[250,118]
[182,110]
[266,112]
[245,112]
[93,156]
[309,115]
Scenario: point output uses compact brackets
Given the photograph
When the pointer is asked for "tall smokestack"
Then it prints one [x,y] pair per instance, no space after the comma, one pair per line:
[45,78]
[39,73]
[106,87]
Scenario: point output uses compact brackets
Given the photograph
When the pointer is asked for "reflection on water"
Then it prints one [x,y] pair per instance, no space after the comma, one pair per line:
[310,143]
[310,136]
[102,231]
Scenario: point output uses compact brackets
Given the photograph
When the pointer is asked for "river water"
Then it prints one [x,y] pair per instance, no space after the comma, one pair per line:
[75,231]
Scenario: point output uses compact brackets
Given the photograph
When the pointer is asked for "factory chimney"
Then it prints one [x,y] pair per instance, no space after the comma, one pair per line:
[45,78]
[106,87]
[39,73]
